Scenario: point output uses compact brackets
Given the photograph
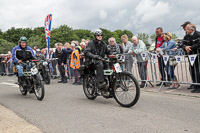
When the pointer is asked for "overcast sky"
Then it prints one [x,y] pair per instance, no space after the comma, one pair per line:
[135,15]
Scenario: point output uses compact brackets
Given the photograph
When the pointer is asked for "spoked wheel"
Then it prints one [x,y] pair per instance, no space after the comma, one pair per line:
[39,90]
[126,90]
[23,90]
[88,87]
[47,78]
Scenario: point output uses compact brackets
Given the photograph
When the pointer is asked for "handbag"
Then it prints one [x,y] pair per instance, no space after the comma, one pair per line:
[172,61]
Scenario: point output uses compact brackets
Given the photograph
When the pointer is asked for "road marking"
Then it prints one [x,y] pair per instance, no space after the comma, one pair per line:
[10,84]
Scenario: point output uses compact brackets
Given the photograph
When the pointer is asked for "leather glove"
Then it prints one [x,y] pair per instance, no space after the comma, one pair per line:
[97,57]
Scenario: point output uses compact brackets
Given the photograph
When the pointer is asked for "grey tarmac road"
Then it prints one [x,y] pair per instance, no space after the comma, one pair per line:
[65,109]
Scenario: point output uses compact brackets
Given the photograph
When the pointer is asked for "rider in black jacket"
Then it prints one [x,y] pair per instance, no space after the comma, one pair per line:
[97,49]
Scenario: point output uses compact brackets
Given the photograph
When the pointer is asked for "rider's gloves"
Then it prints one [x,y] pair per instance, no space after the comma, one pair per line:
[97,57]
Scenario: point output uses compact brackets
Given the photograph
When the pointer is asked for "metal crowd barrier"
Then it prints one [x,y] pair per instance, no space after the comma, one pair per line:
[182,71]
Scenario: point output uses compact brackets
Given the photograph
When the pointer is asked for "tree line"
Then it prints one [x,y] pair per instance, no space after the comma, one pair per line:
[63,34]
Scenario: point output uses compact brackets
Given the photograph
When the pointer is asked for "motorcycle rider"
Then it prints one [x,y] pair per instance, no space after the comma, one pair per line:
[95,50]
[22,53]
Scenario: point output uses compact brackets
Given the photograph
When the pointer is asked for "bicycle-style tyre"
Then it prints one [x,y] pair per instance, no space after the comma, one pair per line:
[39,91]
[88,87]
[126,90]
[23,90]
[47,78]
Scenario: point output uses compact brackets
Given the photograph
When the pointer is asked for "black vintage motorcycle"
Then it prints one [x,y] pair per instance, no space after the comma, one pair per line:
[33,80]
[43,67]
[121,85]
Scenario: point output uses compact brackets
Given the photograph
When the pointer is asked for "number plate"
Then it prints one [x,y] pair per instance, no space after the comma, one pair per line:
[117,68]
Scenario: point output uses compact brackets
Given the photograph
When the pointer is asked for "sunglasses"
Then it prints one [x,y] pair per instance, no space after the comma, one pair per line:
[99,35]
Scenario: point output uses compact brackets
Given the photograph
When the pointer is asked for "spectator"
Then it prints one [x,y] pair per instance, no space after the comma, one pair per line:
[2,65]
[191,46]
[168,47]
[113,47]
[136,49]
[52,56]
[82,57]
[10,64]
[128,58]
[86,42]
[158,43]
[39,56]
[61,55]
[34,49]
[75,64]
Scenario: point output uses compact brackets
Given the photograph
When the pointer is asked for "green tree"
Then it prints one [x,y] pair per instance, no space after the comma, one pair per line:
[1,34]
[153,37]
[144,37]
[174,37]
[62,34]
[86,34]
[5,46]
[106,35]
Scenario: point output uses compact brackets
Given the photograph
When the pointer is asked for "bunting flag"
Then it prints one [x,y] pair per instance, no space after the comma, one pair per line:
[47,28]
[165,58]
[192,59]
[144,55]
[178,58]
[154,57]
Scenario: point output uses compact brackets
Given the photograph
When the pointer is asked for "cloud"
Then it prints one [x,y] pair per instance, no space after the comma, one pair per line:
[103,15]
[149,10]
[135,15]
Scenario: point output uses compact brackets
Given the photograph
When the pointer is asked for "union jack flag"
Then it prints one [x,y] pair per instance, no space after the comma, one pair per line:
[47,29]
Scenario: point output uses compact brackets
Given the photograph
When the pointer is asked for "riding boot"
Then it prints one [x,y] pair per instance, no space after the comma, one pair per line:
[20,81]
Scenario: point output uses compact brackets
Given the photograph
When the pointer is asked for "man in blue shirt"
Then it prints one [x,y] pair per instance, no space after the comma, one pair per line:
[22,53]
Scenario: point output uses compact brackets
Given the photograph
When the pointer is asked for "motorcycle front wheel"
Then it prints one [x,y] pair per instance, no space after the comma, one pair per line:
[39,89]
[46,77]
[23,90]
[126,90]
[88,87]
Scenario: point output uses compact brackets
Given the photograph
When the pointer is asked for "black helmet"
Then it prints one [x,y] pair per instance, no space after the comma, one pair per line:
[185,24]
[98,32]
[23,39]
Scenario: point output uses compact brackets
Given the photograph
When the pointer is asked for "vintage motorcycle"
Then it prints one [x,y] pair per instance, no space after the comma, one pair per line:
[43,67]
[33,80]
[121,85]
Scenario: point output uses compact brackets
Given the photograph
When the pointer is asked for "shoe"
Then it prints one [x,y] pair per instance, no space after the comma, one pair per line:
[159,84]
[75,83]
[166,84]
[79,83]
[191,87]
[178,86]
[101,85]
[195,91]
[142,85]
[65,81]
[60,81]
[172,88]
